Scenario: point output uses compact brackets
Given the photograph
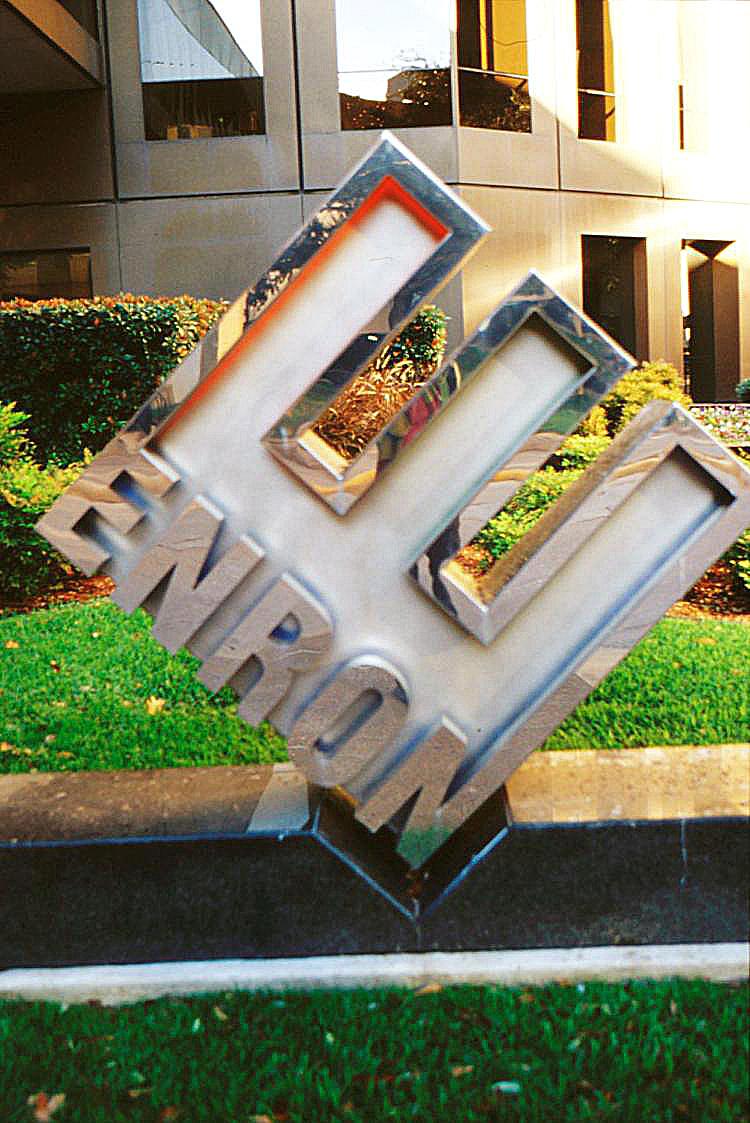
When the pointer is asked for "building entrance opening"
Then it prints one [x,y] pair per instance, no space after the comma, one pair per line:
[710,319]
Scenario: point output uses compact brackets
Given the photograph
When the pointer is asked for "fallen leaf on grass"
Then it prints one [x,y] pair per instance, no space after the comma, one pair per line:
[428,988]
[220,1014]
[462,1070]
[45,1106]
[54,664]
[709,641]
[168,1113]
[261,1119]
[136,1093]
[11,644]
[507,1087]
[155,705]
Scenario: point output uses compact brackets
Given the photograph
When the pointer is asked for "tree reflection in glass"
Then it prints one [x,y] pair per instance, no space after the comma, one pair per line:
[394,63]
[493,70]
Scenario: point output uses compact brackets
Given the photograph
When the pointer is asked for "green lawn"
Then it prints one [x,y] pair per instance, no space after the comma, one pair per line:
[83,686]
[640,1052]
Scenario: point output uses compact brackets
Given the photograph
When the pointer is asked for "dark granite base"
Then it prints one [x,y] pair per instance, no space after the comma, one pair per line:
[551,886]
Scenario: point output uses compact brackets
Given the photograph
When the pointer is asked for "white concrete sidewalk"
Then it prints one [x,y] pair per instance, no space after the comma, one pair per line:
[112,985]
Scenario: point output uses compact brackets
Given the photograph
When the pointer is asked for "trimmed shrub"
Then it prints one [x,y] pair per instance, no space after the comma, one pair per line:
[525,509]
[649,381]
[594,424]
[578,451]
[743,390]
[422,342]
[81,368]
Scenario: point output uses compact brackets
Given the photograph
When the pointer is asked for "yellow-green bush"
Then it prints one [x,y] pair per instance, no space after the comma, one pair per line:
[27,490]
[13,439]
[646,383]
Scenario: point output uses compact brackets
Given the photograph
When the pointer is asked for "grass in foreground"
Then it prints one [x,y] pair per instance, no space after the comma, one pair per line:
[88,688]
[667,1051]
[85,687]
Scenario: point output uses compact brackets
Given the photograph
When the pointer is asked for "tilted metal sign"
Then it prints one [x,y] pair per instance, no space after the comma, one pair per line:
[326,593]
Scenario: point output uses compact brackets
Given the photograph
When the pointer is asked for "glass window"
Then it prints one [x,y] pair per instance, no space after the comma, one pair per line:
[596,71]
[693,90]
[36,274]
[201,68]
[493,69]
[615,288]
[394,63]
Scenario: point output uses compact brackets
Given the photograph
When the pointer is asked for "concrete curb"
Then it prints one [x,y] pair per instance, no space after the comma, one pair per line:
[114,985]
[570,786]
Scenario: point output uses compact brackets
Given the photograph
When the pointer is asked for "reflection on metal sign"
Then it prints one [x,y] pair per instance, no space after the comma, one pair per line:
[327,594]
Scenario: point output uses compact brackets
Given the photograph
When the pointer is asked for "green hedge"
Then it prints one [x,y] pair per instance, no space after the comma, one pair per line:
[73,372]
[81,368]
[78,370]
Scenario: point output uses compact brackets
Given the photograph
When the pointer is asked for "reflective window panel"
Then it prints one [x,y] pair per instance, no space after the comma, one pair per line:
[596,71]
[394,63]
[36,274]
[201,68]
[493,70]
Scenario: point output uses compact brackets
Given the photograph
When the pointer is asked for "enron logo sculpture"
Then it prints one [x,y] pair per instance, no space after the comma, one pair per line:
[326,593]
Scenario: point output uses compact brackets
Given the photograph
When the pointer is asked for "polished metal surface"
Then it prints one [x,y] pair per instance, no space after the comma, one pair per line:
[534,430]
[411,709]
[389,169]
[285,633]
[457,233]
[356,716]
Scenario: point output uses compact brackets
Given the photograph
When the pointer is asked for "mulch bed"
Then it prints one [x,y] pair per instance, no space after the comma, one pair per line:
[74,588]
[715,595]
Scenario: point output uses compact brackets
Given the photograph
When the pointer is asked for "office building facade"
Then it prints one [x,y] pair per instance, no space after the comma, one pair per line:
[169,146]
